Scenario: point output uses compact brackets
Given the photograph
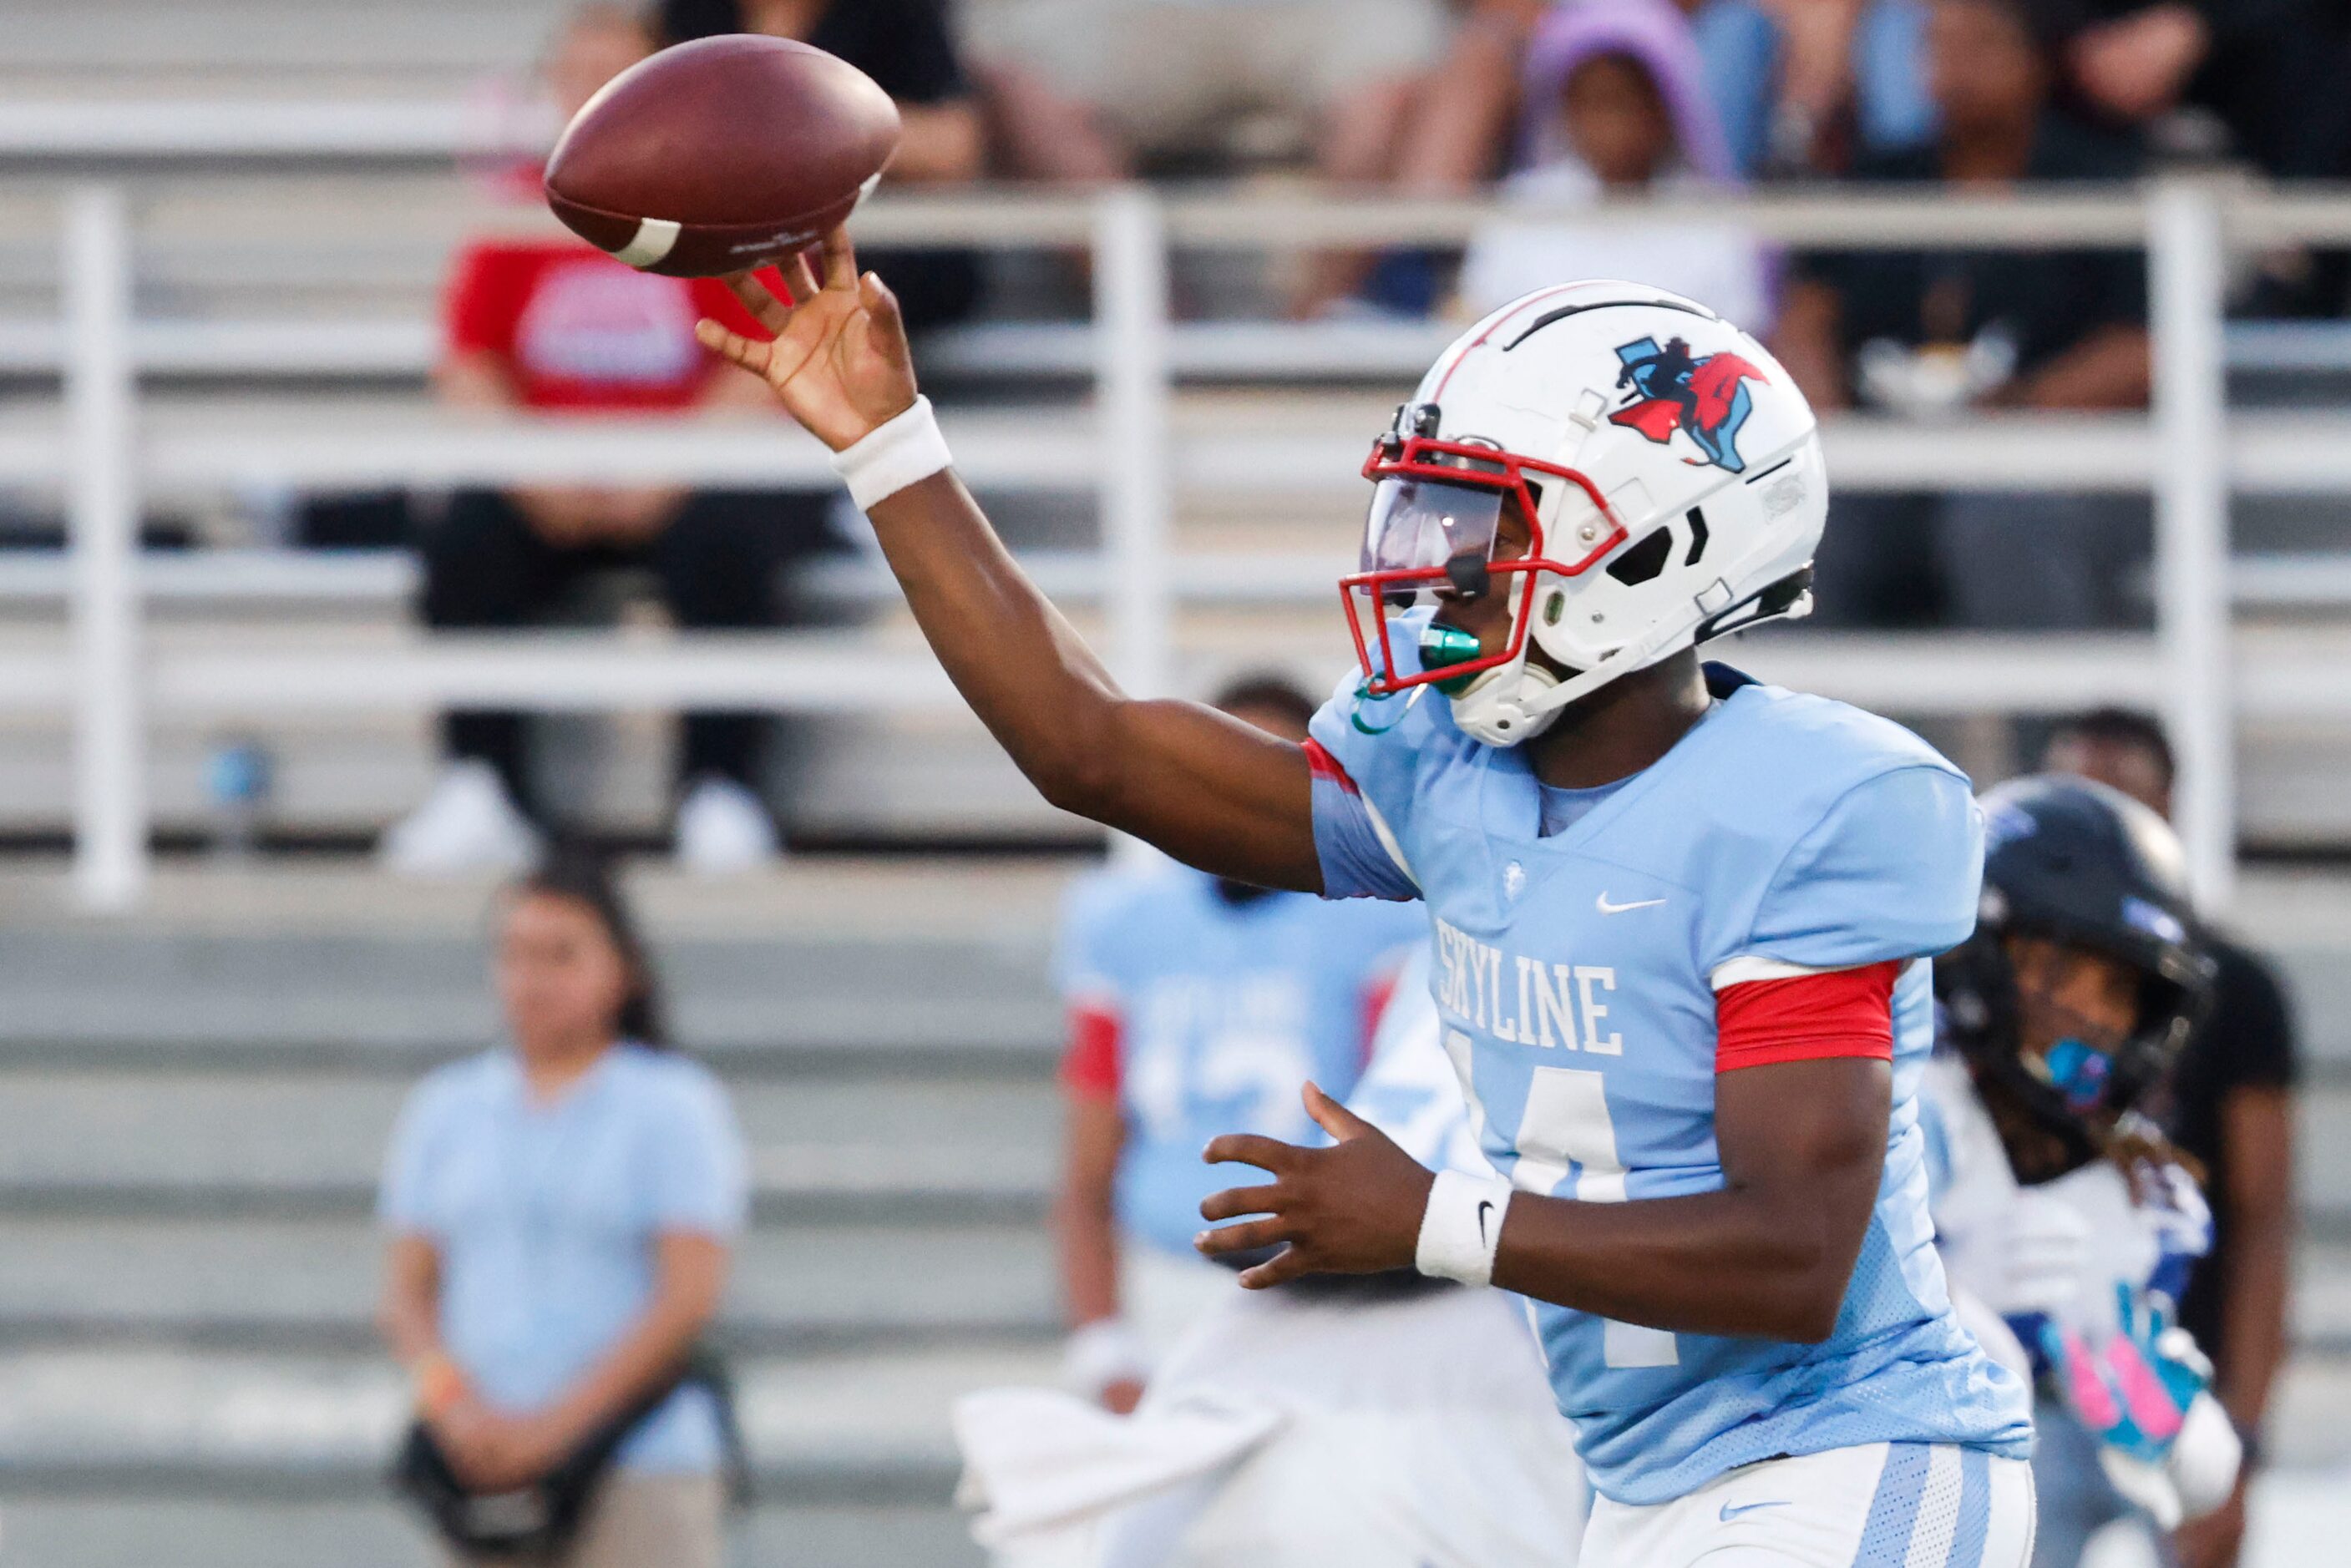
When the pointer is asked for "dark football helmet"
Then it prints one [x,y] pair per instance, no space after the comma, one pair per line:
[2077,863]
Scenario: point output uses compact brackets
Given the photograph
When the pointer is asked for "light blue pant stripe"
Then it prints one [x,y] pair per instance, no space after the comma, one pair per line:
[1894,1511]
[1975,1509]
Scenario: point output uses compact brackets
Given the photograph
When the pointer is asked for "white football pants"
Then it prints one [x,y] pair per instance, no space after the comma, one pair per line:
[1899,1505]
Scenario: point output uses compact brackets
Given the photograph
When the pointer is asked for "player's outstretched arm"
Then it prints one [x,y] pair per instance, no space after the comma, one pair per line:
[1208,789]
[1768,1255]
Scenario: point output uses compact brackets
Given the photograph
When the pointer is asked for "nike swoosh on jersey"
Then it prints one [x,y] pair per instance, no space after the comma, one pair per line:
[1605,908]
[1483,1205]
[1730,1513]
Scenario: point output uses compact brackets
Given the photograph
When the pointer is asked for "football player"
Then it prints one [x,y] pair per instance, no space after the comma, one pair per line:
[1682,920]
[1378,1420]
[2057,1204]
[1197,1005]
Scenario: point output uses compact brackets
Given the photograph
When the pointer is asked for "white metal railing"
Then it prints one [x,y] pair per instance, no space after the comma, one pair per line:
[109,444]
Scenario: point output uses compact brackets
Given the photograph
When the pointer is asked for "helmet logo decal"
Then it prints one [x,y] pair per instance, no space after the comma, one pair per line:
[1703,396]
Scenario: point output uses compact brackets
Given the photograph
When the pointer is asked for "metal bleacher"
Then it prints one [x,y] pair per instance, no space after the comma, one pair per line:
[193,1096]
[285,328]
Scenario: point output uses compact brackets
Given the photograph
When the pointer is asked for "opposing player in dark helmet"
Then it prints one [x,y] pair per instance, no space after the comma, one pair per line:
[2084,975]
[2066,1222]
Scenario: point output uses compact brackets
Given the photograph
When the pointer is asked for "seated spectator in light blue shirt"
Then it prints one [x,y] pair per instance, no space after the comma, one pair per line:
[562,1213]
[1790,78]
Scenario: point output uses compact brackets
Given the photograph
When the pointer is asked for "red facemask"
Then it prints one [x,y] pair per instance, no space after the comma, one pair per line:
[1435,519]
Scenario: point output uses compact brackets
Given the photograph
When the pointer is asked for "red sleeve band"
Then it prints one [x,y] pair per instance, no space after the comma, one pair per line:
[1326,766]
[1089,1068]
[1806,1018]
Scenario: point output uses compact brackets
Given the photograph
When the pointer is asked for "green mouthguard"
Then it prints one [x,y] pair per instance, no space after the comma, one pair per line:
[1444,644]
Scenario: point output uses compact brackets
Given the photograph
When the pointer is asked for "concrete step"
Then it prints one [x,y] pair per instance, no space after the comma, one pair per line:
[2322,1156]
[348,776]
[865,1426]
[433,993]
[833,1136]
[2299,916]
[295,1283]
[105,1528]
[250,39]
[861,1428]
[165,1141]
[285,960]
[2322,1296]
[2300,1519]
[818,953]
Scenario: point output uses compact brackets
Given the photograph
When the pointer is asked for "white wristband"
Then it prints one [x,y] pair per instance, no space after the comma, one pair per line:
[1461,1226]
[907,451]
[1101,1353]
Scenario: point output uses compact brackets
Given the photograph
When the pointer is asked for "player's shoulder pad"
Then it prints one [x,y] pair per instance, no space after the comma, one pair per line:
[1838,740]
[1799,759]
[1848,840]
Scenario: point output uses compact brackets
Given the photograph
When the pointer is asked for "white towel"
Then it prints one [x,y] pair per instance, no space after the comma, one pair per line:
[1045,1466]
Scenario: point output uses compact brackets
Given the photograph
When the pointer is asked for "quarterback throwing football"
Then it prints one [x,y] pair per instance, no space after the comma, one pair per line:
[1681,920]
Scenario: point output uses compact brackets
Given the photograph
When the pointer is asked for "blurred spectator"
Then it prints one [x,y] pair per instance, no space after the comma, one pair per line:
[1198,1006]
[1928,334]
[555,325]
[1793,85]
[1459,134]
[562,1211]
[2232,1107]
[516,117]
[1097,90]
[1615,106]
[908,47]
[2260,80]
[1815,84]
[2270,71]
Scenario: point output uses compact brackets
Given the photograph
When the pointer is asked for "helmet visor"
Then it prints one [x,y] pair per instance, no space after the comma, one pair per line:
[1417,523]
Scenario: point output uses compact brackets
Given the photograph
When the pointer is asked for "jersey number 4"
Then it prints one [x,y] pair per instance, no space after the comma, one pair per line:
[1567,1126]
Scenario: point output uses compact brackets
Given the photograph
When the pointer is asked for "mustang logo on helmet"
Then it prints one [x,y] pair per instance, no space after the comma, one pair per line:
[1705,396]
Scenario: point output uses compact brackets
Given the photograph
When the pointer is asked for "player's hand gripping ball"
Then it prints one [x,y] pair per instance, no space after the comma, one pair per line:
[836,356]
[1351,1209]
[722,155]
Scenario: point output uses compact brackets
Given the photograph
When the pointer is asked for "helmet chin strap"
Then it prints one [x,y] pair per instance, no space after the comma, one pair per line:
[1500,708]
[1492,707]
[1541,705]
[1513,703]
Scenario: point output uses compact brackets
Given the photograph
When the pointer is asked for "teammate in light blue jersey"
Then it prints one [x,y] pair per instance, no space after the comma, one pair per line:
[1198,1006]
[1681,918]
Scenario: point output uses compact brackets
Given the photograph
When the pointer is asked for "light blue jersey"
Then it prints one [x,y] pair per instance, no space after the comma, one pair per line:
[1206,1017]
[1576,975]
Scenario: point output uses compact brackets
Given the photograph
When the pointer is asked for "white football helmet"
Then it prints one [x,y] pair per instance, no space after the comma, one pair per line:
[1668,467]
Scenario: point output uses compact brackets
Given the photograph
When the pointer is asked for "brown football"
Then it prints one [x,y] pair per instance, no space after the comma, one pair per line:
[721,155]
